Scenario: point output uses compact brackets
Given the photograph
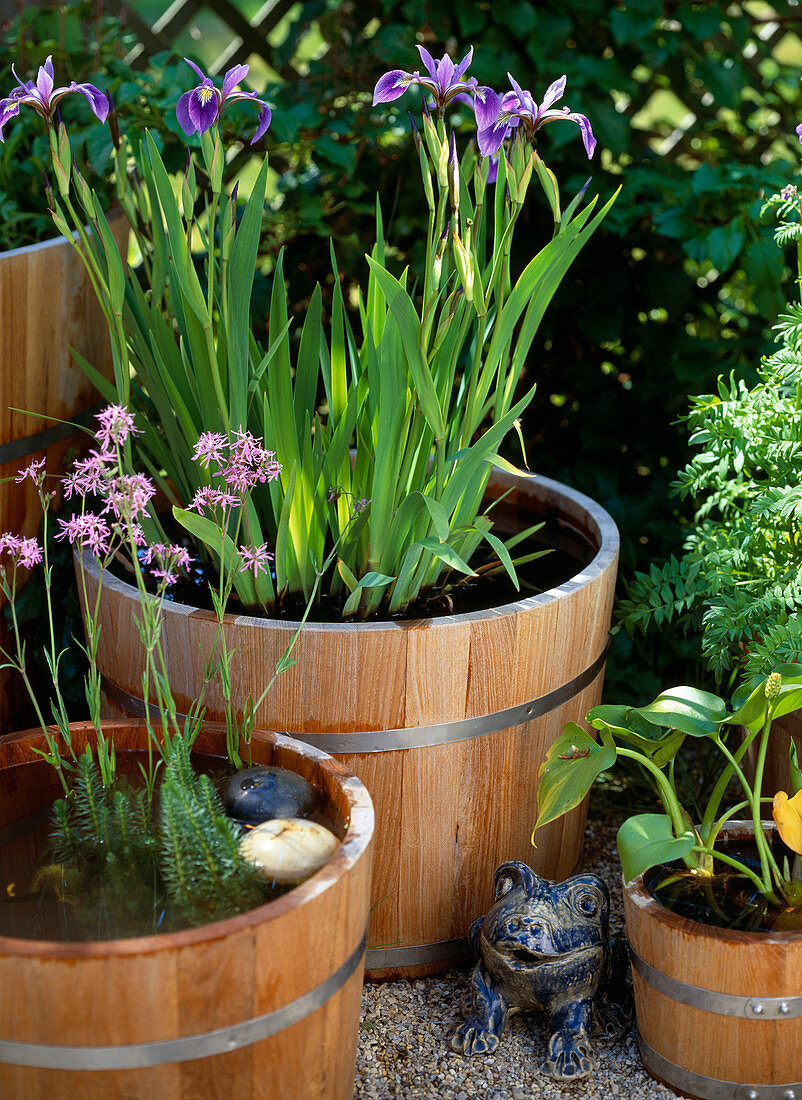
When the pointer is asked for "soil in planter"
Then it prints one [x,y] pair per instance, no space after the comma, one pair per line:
[36,902]
[725,900]
[568,553]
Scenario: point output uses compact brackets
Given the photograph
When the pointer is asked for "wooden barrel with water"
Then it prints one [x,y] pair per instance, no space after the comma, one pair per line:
[264,1004]
[719,1010]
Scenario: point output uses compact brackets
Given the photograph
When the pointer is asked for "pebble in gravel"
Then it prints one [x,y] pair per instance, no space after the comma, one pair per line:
[403,1043]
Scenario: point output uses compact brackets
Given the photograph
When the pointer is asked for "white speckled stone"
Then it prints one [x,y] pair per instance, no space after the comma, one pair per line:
[288,849]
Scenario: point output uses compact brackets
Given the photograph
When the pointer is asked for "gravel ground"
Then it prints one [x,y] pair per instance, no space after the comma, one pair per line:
[406,1025]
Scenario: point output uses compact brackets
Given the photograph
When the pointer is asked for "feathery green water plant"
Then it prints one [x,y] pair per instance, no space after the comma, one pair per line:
[423,385]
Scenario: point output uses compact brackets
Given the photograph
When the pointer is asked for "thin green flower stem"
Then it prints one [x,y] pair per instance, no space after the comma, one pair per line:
[428,282]
[767,861]
[720,789]
[747,872]
[20,654]
[57,703]
[722,821]
[211,217]
[211,351]
[667,795]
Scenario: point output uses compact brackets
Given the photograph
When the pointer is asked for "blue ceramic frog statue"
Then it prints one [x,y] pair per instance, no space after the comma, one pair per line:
[545,947]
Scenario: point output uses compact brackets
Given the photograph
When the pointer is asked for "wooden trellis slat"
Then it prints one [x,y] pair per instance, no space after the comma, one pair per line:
[247,36]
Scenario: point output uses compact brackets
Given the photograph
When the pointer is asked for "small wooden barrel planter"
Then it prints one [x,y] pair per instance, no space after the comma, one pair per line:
[263,1005]
[47,306]
[719,1011]
[446,720]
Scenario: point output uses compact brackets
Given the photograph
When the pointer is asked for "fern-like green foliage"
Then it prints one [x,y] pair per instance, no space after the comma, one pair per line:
[127,867]
[203,871]
[740,577]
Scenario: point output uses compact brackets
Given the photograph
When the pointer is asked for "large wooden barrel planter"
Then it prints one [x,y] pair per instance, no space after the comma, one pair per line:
[719,1011]
[446,720]
[47,306]
[263,1005]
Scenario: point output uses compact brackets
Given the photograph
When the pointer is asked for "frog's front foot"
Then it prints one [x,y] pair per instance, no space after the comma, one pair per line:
[471,1038]
[568,1056]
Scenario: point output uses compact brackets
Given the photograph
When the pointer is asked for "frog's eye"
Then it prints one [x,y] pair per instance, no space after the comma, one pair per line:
[587,902]
[503,886]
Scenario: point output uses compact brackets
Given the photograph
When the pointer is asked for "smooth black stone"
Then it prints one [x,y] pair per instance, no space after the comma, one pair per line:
[260,793]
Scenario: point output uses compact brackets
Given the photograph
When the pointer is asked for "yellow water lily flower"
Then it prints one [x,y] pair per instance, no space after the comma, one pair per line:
[787,813]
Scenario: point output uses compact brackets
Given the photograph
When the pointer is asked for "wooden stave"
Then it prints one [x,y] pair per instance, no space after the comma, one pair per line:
[254,947]
[744,1051]
[452,693]
[60,310]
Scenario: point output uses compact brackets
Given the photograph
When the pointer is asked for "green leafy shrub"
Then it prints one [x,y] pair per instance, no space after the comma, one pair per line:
[740,576]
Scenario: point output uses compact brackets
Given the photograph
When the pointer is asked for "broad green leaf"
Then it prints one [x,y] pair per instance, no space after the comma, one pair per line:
[750,709]
[446,554]
[403,310]
[370,580]
[504,555]
[105,388]
[647,840]
[572,764]
[348,577]
[209,534]
[439,517]
[788,700]
[655,742]
[695,712]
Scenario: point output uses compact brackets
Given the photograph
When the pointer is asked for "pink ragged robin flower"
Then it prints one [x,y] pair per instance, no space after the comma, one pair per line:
[24,553]
[207,497]
[116,425]
[257,558]
[211,446]
[87,531]
[35,471]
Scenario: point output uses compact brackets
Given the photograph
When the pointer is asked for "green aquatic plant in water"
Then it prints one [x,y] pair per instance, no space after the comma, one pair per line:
[127,864]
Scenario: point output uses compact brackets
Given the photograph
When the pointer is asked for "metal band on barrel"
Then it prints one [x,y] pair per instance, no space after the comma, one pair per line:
[40,441]
[710,1088]
[723,1004]
[385,958]
[187,1047]
[415,736]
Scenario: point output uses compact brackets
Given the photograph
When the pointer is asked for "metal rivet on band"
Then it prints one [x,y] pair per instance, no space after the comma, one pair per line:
[763,1009]
[752,1094]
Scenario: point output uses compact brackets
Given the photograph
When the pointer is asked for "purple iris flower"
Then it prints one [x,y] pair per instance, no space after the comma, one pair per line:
[44,97]
[496,116]
[201,107]
[446,81]
[799,131]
